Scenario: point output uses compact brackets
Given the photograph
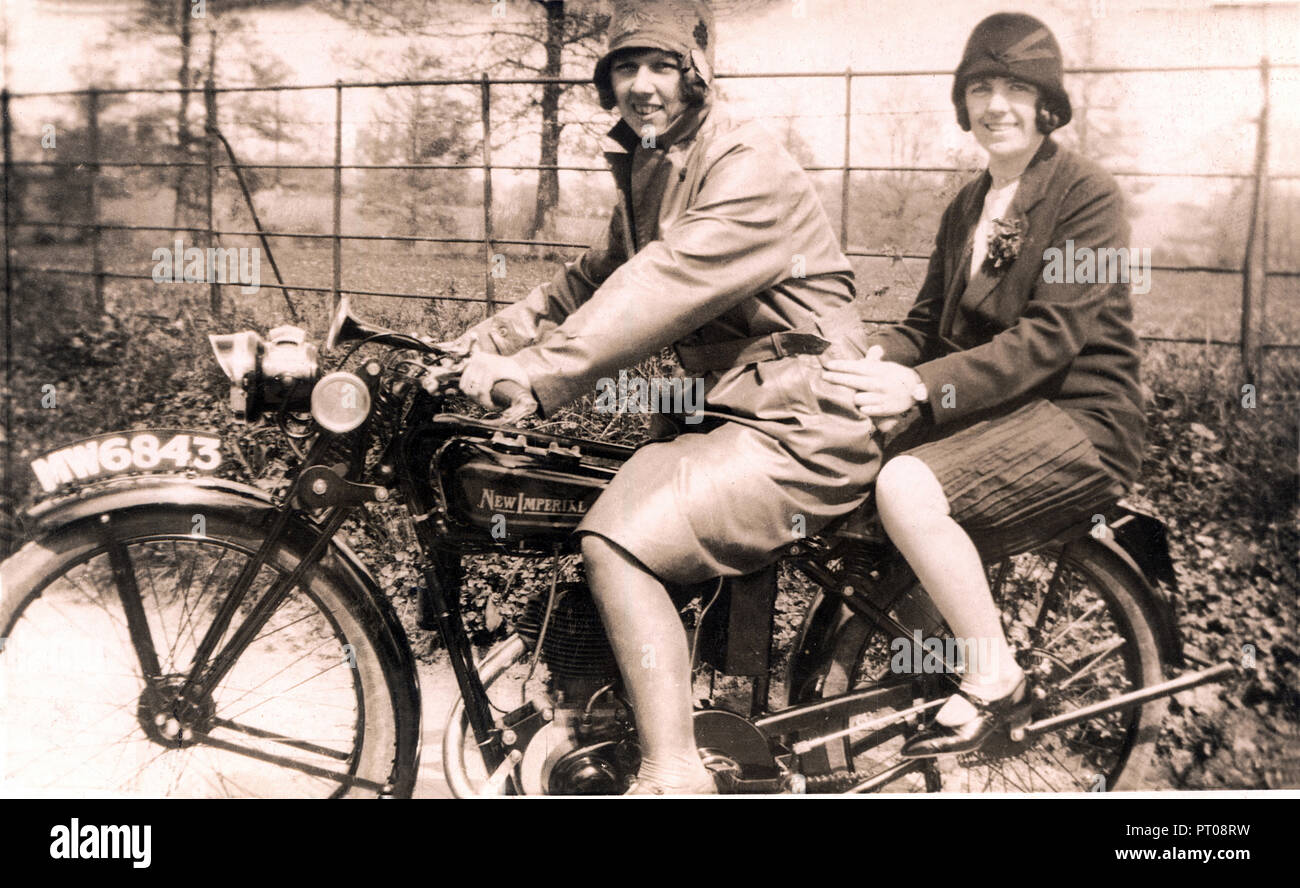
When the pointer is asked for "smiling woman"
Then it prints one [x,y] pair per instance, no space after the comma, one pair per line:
[720,247]
[1003,111]
[647,86]
[1019,388]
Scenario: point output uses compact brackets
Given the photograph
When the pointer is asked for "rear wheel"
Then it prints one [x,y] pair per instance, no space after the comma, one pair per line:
[87,614]
[1079,631]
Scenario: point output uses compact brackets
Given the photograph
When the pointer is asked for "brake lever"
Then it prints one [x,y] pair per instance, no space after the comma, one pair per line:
[440,378]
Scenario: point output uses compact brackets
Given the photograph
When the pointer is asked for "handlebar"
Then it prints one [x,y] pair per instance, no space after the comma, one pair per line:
[507,392]
[515,401]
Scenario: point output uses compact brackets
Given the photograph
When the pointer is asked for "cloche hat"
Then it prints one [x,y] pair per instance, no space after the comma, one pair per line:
[1012,44]
[684,27]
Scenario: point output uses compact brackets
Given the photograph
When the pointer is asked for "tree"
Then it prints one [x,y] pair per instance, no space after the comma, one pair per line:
[563,28]
[898,210]
[1100,128]
[415,126]
[177,24]
[545,39]
[540,38]
[60,192]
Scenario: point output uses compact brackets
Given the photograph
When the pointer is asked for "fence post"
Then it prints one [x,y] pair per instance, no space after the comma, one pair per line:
[487,193]
[844,182]
[8,504]
[210,158]
[337,285]
[96,248]
[1255,266]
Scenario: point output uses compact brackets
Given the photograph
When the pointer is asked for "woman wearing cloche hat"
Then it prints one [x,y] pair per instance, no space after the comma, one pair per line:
[720,248]
[1018,407]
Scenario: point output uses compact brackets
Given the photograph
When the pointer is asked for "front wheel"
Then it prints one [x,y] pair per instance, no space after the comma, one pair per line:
[1080,633]
[101,622]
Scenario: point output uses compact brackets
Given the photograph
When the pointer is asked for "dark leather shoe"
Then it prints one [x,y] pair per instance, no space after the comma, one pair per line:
[936,739]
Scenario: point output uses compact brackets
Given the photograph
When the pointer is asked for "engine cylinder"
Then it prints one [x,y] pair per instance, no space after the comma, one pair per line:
[575,646]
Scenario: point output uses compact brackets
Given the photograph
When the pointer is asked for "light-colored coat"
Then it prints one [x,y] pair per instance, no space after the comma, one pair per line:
[718,236]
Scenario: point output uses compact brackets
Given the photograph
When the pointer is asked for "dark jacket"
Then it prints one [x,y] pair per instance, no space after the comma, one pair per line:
[988,344]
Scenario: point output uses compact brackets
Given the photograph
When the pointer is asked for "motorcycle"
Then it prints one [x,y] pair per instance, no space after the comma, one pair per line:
[170,632]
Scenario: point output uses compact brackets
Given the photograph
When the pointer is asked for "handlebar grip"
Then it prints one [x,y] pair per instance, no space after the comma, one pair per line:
[507,392]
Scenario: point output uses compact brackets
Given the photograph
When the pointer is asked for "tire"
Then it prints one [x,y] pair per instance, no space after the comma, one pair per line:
[1098,611]
[509,680]
[306,710]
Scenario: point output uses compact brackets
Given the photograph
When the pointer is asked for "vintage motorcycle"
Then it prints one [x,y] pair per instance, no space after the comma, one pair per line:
[169,632]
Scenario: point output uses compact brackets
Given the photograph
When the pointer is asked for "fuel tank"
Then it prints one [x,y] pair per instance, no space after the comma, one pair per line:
[511,487]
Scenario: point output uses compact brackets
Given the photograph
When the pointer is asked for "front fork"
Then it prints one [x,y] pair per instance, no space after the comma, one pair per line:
[316,487]
[439,609]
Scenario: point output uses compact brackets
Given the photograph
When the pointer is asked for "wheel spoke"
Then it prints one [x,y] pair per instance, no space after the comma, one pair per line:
[1047,750]
[280,738]
[273,675]
[162,615]
[1035,771]
[93,598]
[1049,601]
[1066,613]
[292,764]
[1002,772]
[188,611]
[135,605]
[1047,645]
[1112,647]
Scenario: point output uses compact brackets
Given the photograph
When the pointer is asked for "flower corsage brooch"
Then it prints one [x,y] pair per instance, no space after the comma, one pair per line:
[1004,242]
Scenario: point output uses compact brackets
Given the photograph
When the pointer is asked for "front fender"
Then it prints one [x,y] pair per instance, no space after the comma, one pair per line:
[128,492]
[255,508]
[186,491]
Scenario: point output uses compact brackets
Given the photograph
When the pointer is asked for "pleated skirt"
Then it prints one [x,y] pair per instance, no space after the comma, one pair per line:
[1017,480]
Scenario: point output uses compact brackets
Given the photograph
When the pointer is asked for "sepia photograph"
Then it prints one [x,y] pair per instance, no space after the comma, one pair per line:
[448,399]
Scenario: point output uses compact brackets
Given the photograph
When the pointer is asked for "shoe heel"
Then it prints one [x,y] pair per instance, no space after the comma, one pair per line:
[1016,725]
[1020,715]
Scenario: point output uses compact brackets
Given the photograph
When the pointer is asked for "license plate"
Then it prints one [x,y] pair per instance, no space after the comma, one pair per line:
[123,453]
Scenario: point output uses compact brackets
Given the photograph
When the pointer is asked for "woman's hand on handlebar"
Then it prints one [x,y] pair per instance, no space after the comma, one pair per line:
[462,346]
[498,381]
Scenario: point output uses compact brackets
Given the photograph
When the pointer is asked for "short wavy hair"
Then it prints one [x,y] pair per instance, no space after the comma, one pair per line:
[1047,117]
[694,89]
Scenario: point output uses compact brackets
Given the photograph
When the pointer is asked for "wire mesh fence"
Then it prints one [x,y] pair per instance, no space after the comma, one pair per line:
[107,189]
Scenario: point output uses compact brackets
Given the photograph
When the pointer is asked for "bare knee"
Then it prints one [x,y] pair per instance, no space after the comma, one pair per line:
[603,561]
[596,551]
[907,490]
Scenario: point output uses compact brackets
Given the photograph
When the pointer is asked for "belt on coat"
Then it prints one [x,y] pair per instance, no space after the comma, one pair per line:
[740,352]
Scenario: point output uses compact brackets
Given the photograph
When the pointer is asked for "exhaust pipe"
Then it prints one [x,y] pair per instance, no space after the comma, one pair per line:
[494,664]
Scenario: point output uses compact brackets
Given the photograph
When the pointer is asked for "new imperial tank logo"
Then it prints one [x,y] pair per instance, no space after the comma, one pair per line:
[520,504]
